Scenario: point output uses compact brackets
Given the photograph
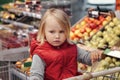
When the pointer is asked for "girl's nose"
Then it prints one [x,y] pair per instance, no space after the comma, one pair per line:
[57,35]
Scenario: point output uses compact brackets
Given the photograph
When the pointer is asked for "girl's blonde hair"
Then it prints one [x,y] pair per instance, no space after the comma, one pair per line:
[61,17]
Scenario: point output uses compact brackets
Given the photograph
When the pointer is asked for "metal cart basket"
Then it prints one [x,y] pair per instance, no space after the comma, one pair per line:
[8,71]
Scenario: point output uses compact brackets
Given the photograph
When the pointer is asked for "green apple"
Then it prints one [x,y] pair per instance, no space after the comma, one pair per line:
[114,60]
[111,24]
[103,41]
[115,19]
[107,26]
[117,63]
[117,32]
[99,33]
[109,29]
[112,43]
[108,39]
[104,64]
[112,65]
[104,22]
[108,59]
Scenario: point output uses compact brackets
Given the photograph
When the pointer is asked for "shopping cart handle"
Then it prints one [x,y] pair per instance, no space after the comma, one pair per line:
[95,74]
[105,72]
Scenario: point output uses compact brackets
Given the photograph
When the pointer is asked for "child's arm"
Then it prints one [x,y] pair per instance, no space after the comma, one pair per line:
[88,57]
[37,68]
[83,56]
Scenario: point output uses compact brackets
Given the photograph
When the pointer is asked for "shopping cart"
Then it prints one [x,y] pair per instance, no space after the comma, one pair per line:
[108,74]
[8,71]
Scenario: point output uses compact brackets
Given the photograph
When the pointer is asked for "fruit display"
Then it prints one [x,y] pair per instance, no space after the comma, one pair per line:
[104,64]
[106,37]
[24,65]
[87,27]
[107,63]
[14,36]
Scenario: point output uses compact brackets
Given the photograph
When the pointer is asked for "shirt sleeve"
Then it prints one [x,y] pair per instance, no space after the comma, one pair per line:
[83,56]
[37,68]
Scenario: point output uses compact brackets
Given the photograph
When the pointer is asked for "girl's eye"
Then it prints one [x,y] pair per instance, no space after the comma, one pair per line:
[51,31]
[62,31]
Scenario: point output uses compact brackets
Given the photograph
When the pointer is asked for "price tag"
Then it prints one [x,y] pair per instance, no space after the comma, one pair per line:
[114,54]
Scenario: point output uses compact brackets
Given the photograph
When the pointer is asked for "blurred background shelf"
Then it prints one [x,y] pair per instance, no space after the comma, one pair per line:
[14,54]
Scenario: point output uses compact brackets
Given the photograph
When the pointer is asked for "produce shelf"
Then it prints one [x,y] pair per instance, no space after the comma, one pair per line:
[16,23]
[26,13]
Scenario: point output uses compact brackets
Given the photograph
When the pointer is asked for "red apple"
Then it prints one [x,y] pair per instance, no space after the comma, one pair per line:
[88,29]
[93,25]
[73,29]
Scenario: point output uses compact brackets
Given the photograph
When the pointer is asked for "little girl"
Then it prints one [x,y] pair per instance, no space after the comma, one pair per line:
[55,57]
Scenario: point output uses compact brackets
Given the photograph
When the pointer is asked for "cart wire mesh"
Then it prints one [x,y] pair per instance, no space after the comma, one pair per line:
[8,71]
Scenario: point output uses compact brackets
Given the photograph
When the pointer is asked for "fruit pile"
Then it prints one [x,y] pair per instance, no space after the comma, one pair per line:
[24,65]
[106,37]
[87,27]
[104,64]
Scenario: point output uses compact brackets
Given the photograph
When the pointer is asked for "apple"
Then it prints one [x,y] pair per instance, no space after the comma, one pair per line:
[80,35]
[114,60]
[93,32]
[83,23]
[111,24]
[108,18]
[101,18]
[115,19]
[104,63]
[117,63]
[94,37]
[99,33]
[103,41]
[97,22]
[86,37]
[98,39]
[88,29]
[109,29]
[108,59]
[77,26]
[101,45]
[107,26]
[112,43]
[104,22]
[112,65]
[86,19]
[93,25]
[76,32]
[117,32]
[82,30]
[73,29]
[94,43]
[72,35]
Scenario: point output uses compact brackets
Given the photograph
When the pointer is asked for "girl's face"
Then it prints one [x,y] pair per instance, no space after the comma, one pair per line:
[54,33]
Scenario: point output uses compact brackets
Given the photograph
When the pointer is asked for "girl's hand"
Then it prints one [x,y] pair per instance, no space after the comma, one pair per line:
[96,55]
